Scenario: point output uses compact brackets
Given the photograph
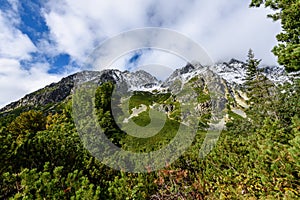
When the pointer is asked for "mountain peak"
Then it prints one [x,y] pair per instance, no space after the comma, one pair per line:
[188,68]
[144,73]
[57,92]
[235,61]
[233,72]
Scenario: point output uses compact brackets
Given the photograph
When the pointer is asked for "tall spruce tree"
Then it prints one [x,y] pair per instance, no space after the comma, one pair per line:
[259,90]
[252,64]
[256,83]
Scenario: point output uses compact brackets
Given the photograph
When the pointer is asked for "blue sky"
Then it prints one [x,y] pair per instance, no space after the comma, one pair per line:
[43,41]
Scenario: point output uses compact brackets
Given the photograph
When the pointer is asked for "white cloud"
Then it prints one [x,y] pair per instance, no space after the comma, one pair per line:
[77,26]
[160,63]
[157,62]
[16,82]
[225,29]
[15,46]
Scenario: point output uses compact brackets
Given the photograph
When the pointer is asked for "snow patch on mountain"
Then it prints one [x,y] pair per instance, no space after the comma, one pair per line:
[234,72]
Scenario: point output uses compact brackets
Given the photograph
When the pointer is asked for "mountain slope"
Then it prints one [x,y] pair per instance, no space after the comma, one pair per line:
[58,92]
[45,156]
[233,73]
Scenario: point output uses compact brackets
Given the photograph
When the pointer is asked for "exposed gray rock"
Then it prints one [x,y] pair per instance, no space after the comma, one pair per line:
[231,76]
[57,92]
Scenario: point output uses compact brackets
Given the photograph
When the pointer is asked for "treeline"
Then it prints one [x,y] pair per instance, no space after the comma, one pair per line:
[256,157]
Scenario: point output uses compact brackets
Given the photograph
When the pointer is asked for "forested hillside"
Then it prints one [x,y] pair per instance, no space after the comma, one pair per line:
[257,155]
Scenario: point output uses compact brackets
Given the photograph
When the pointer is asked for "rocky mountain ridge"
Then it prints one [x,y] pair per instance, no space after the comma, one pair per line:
[57,92]
[233,73]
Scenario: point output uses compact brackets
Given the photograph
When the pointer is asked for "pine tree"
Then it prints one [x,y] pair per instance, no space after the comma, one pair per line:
[258,87]
[252,64]
[252,74]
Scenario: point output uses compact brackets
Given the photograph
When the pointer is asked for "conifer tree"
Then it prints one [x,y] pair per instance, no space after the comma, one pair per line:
[288,13]
[257,86]
[252,64]
[253,76]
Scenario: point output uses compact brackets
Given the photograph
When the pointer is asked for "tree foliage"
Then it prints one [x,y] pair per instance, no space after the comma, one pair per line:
[288,47]
[256,157]
[258,88]
[252,66]
[28,122]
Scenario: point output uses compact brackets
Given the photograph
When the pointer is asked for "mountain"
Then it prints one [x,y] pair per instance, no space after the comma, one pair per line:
[58,92]
[232,73]
[192,136]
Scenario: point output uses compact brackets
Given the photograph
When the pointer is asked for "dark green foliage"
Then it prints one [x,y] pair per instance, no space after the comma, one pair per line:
[257,157]
[252,64]
[260,91]
[128,142]
[28,122]
[204,120]
[104,112]
[294,150]
[53,184]
[288,48]
[8,117]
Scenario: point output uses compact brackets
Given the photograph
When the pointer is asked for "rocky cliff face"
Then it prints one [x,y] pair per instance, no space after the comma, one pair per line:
[57,92]
[53,93]
[232,75]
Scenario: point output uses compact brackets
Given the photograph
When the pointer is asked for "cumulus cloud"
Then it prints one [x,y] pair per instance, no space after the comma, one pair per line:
[225,29]
[15,81]
[157,62]
[78,26]
[14,44]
